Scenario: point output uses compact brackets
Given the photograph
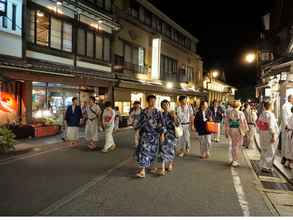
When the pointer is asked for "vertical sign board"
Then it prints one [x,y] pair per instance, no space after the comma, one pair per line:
[156,55]
[3,7]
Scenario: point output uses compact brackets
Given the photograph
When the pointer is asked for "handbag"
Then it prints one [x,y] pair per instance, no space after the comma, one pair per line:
[212,127]
[178,131]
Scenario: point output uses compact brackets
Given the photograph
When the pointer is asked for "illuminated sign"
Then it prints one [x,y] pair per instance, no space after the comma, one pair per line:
[156,54]
[3,7]
[7,102]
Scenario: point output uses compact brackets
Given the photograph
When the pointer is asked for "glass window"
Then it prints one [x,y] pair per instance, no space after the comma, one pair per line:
[100,3]
[67,37]
[31,26]
[106,49]
[4,22]
[56,26]
[135,56]
[42,29]
[13,17]
[90,44]
[81,42]
[99,47]
[147,18]
[141,14]
[108,5]
[127,53]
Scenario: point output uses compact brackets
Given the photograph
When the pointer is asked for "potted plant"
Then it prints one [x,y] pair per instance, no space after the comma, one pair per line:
[7,140]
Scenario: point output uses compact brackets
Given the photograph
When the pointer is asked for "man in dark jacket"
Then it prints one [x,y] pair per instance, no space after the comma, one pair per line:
[217,114]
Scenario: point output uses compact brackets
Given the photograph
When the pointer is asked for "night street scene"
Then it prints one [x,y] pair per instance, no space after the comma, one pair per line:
[146,108]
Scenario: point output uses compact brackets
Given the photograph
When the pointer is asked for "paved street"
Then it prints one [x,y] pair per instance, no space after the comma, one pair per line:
[63,181]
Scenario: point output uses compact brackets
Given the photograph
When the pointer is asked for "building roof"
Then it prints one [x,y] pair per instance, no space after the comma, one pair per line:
[164,17]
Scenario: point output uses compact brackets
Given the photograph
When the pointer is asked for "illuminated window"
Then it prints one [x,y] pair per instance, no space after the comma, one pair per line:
[67,37]
[99,47]
[90,44]
[81,42]
[56,33]
[42,29]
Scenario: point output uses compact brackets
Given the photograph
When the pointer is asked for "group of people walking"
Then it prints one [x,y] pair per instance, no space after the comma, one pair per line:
[160,135]
[91,115]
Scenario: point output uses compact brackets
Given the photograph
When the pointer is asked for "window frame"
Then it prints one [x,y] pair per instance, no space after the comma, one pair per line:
[50,16]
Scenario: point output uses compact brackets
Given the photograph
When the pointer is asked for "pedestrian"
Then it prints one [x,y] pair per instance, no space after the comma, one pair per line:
[185,114]
[201,119]
[73,116]
[151,133]
[93,112]
[235,128]
[108,123]
[217,114]
[117,118]
[269,131]
[289,131]
[133,120]
[286,114]
[167,148]
[251,117]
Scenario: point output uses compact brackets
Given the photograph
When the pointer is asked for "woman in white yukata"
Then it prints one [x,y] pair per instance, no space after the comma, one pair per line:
[289,133]
[235,128]
[269,132]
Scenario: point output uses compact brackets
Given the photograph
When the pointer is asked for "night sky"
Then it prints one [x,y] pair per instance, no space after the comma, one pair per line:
[225,29]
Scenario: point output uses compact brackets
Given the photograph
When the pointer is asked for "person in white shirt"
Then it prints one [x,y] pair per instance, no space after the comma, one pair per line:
[133,120]
[108,123]
[289,133]
[269,132]
[286,114]
[185,114]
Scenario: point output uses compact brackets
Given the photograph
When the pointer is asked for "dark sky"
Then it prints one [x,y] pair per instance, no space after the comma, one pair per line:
[226,29]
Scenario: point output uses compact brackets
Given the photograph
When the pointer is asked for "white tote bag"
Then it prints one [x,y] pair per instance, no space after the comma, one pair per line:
[178,131]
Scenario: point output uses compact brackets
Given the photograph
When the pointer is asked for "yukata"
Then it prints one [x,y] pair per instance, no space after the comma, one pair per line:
[185,115]
[267,125]
[132,121]
[91,128]
[150,126]
[236,127]
[289,132]
[286,114]
[108,119]
[167,148]
[251,138]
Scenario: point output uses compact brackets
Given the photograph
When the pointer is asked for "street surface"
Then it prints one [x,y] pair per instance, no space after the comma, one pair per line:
[60,181]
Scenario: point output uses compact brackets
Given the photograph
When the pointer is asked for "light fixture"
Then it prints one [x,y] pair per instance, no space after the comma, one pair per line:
[169,85]
[59,3]
[100,21]
[40,14]
[215,74]
[250,58]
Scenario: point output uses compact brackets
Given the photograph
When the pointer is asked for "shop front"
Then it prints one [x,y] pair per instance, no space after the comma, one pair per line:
[129,92]
[41,100]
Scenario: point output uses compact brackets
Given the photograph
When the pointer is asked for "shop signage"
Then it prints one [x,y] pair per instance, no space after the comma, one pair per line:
[3,7]
[156,54]
[7,102]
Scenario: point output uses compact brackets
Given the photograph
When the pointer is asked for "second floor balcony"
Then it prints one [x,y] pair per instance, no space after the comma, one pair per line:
[122,66]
